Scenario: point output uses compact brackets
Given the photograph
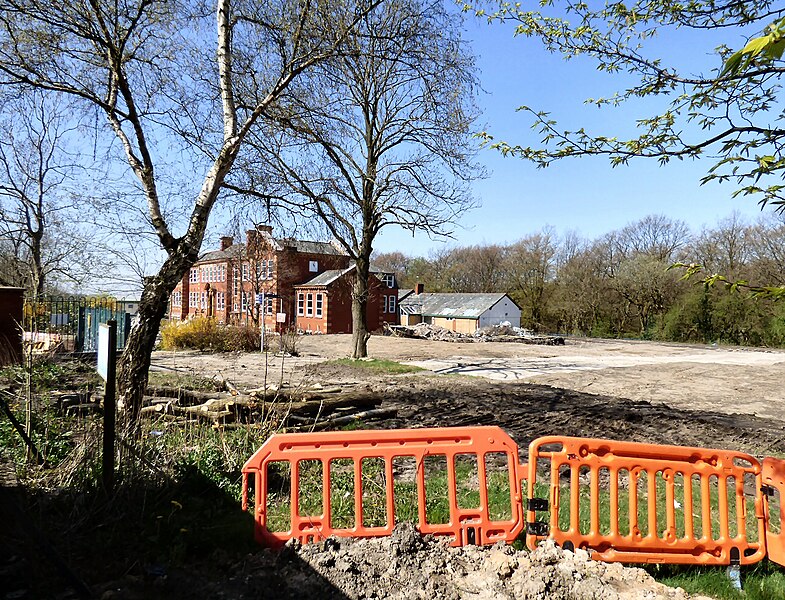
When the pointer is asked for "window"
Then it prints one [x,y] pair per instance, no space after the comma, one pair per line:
[270,269]
[244,303]
[177,299]
[235,283]
[246,271]
[235,307]
[309,305]
[193,299]
[222,276]
[220,301]
[388,279]
[194,278]
[204,300]
[261,266]
[300,304]
[384,303]
[391,304]
[318,305]
[269,305]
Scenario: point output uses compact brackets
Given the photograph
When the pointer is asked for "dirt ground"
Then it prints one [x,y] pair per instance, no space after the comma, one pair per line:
[641,391]
[660,393]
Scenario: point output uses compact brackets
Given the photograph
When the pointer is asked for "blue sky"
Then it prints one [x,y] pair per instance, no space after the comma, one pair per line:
[586,194]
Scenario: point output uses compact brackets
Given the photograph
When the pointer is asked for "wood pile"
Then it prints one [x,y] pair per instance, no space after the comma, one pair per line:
[296,408]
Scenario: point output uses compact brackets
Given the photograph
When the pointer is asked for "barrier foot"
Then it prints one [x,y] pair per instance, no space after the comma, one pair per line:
[734,574]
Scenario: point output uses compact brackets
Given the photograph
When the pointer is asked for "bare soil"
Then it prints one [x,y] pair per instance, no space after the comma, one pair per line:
[638,391]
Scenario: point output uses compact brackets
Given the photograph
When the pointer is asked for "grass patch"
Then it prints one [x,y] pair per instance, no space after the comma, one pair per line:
[376,365]
[184,380]
[764,581]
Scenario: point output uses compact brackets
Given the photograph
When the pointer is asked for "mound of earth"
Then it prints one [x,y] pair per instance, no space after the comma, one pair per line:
[403,566]
[407,566]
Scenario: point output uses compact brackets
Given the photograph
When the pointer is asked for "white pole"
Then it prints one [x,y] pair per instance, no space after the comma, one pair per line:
[261,319]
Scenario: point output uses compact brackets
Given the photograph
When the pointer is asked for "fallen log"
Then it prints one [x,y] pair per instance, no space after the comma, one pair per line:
[228,385]
[380,413]
[185,396]
[305,409]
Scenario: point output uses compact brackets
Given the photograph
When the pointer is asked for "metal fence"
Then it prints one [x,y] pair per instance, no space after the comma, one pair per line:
[70,324]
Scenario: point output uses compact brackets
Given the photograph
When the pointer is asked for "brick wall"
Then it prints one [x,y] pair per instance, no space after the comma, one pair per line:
[11,305]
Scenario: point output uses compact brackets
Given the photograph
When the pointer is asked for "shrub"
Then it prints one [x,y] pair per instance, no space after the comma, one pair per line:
[202,333]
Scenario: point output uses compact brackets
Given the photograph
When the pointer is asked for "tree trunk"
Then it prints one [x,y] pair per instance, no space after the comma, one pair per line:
[360,333]
[135,361]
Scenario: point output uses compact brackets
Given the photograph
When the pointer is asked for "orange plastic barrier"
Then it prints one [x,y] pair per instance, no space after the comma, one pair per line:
[343,469]
[773,490]
[684,505]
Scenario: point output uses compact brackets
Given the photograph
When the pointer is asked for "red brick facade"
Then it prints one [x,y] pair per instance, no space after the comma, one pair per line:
[11,303]
[324,304]
[224,284]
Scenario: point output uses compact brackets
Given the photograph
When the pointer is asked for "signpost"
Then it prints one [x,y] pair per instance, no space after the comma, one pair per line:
[107,369]
[261,301]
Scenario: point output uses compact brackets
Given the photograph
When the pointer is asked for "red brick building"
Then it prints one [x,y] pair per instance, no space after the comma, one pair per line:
[224,284]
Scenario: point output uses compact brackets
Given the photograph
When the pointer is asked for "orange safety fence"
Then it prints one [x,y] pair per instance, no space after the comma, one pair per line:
[774,492]
[344,471]
[625,501]
[632,502]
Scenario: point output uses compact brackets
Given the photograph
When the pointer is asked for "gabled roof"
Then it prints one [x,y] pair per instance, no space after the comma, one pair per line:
[403,294]
[454,306]
[277,244]
[328,277]
[233,251]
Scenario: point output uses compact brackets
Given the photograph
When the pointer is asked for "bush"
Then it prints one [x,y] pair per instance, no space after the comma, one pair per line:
[202,333]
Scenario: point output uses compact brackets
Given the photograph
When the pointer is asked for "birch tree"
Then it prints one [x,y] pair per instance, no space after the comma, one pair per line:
[170,77]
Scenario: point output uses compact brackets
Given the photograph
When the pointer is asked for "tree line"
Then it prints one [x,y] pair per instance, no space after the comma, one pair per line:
[621,284]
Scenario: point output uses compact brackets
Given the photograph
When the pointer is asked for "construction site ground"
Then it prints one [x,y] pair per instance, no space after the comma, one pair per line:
[639,391]
[691,395]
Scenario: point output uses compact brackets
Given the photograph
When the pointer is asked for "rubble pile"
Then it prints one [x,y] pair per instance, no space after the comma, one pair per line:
[495,333]
[407,566]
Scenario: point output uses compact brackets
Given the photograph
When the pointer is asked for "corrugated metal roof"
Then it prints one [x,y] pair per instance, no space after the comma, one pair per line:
[454,306]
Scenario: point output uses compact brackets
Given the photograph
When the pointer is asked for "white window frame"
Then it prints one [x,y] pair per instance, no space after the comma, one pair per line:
[246,271]
[300,304]
[384,303]
[269,305]
[220,301]
[391,304]
[319,305]
[309,304]
[243,302]
[194,276]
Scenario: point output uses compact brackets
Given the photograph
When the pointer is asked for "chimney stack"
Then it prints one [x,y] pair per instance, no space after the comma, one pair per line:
[226,241]
[419,288]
